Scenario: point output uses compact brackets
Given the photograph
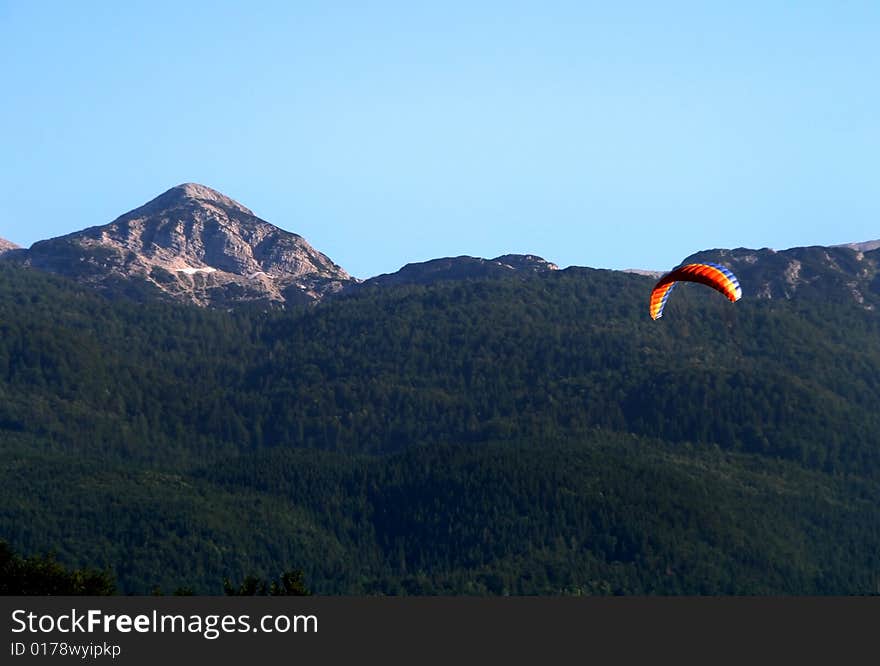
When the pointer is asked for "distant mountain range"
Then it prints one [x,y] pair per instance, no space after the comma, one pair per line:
[460,426]
[194,244]
[509,435]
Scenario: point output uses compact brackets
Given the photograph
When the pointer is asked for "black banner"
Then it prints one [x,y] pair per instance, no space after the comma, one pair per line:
[151,630]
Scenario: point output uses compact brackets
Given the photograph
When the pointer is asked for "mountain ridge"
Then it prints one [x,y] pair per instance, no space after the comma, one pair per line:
[840,273]
[196,245]
[192,244]
[463,267]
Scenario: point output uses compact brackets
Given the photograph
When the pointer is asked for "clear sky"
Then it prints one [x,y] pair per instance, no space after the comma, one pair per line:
[605,134]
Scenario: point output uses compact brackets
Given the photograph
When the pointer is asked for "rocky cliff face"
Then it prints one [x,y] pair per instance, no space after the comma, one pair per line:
[193,244]
[841,273]
[6,246]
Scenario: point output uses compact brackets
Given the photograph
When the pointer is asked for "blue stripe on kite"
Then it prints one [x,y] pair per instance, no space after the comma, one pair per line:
[664,299]
[730,276]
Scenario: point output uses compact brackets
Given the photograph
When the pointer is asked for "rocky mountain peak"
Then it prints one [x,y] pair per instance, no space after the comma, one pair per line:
[188,194]
[193,243]
[6,246]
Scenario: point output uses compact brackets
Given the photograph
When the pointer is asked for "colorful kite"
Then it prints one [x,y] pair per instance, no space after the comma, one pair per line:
[711,275]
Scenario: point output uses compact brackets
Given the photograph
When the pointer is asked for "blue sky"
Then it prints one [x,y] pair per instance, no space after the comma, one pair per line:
[617,135]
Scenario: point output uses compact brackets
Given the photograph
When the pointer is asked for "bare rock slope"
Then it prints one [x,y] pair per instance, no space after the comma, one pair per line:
[193,244]
[6,246]
[837,273]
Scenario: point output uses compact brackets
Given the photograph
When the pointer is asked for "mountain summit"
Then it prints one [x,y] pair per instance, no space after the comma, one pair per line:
[463,268]
[192,191]
[194,244]
[6,246]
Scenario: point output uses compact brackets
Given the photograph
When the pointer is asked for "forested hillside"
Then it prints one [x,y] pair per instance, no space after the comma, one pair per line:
[516,435]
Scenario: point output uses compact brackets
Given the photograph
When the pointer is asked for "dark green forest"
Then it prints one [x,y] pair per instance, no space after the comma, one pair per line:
[519,435]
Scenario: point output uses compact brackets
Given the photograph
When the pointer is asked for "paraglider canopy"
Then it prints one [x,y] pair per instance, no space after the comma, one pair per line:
[712,275]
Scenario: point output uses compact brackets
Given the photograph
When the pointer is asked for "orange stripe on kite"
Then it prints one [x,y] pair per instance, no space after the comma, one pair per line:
[712,275]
